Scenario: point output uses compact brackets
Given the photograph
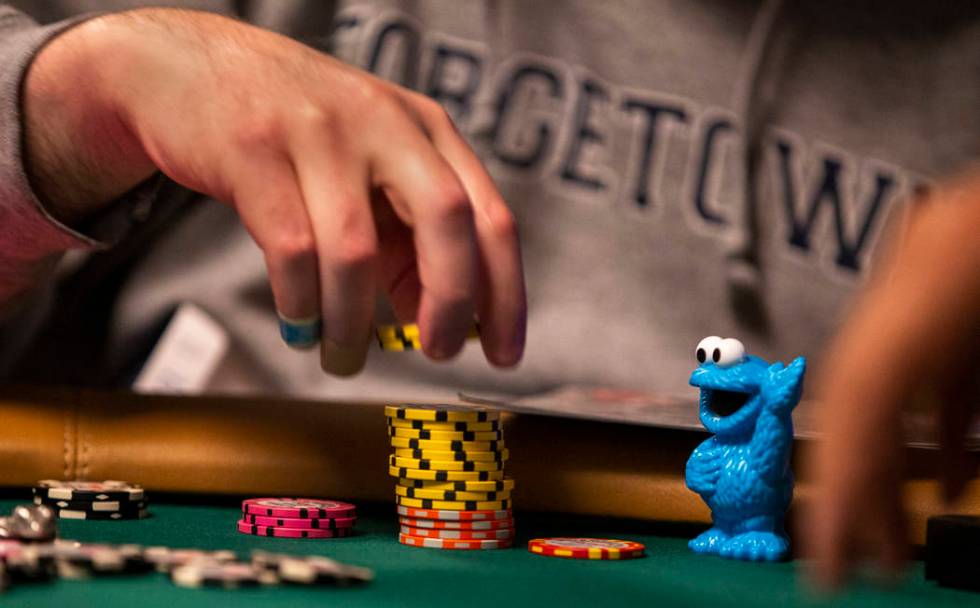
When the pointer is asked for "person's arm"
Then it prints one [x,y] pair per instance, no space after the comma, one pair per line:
[30,239]
[347,183]
[915,332]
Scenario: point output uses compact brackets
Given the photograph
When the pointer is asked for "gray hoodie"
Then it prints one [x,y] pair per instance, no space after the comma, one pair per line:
[678,168]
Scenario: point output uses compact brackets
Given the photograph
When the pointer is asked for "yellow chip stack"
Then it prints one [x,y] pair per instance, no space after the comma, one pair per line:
[451,491]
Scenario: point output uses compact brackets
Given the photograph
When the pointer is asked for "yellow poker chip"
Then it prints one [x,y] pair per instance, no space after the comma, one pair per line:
[406,337]
[446,435]
[451,494]
[390,332]
[499,485]
[480,427]
[454,505]
[444,476]
[498,456]
[446,413]
[444,465]
[504,515]
[446,445]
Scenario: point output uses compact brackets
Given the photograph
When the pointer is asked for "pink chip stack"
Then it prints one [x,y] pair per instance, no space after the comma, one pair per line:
[297,518]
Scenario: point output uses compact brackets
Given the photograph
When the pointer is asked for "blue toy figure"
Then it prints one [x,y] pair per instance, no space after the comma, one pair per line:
[742,472]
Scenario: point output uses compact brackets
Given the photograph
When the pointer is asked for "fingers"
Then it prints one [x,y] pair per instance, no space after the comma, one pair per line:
[428,196]
[270,204]
[501,297]
[906,334]
[398,267]
[334,186]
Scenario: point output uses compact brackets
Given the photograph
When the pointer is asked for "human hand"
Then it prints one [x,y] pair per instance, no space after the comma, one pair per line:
[915,332]
[347,183]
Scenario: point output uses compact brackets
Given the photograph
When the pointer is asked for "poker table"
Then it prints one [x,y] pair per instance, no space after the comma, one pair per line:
[669,575]
[198,457]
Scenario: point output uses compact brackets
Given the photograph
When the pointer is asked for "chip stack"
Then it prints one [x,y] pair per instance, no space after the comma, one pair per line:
[297,518]
[100,500]
[451,491]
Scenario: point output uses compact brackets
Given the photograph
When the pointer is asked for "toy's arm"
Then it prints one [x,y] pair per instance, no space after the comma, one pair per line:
[773,436]
[785,387]
[703,468]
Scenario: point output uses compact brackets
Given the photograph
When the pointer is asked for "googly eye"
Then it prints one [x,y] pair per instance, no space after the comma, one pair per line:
[730,351]
[707,348]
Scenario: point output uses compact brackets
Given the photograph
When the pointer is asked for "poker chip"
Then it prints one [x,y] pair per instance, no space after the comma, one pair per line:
[438,524]
[398,337]
[446,445]
[444,465]
[255,530]
[398,423]
[586,548]
[440,455]
[28,561]
[53,489]
[433,475]
[310,570]
[406,337]
[446,435]
[453,515]
[231,575]
[310,523]
[165,559]
[444,543]
[453,505]
[471,486]
[297,518]
[451,492]
[97,506]
[68,559]
[298,507]
[102,515]
[497,534]
[440,413]
[451,495]
[81,561]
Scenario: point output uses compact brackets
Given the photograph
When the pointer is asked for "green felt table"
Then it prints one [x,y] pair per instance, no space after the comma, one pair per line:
[670,575]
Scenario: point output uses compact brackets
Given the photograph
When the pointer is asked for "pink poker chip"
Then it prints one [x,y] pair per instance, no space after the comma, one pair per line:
[309,523]
[246,528]
[303,508]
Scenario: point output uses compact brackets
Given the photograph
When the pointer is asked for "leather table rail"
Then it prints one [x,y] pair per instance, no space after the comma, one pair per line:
[285,447]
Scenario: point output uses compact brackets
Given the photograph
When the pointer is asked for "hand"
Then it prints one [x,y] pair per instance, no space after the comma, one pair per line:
[346,182]
[914,332]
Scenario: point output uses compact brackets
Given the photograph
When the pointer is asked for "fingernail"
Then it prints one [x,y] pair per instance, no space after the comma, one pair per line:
[300,333]
[342,360]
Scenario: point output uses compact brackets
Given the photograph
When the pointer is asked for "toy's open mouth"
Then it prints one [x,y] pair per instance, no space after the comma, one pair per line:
[725,403]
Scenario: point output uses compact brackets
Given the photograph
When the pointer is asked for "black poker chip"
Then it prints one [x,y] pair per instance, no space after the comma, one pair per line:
[94,506]
[53,489]
[951,551]
[102,515]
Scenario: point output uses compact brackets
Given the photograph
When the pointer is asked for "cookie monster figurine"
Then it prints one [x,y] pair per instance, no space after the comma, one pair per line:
[742,472]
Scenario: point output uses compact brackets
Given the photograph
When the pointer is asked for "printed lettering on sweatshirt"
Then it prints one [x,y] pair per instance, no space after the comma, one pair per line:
[582,137]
